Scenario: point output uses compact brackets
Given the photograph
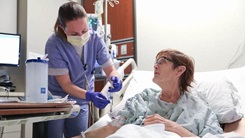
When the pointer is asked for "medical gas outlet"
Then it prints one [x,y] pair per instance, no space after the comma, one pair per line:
[123,49]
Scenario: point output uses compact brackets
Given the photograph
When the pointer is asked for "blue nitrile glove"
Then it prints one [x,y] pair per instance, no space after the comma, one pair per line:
[116,83]
[97,98]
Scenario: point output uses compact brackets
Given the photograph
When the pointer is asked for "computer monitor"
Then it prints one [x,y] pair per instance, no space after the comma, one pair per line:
[10,49]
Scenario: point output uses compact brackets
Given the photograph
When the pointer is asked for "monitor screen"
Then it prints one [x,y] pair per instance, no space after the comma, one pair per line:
[93,22]
[9,49]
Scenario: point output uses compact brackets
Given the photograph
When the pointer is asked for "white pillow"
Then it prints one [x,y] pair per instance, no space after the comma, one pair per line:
[222,97]
[141,80]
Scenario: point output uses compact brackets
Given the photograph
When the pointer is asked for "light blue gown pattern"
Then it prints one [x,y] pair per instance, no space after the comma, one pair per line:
[189,111]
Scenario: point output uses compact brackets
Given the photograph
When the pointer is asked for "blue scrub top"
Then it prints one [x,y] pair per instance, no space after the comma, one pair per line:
[64,59]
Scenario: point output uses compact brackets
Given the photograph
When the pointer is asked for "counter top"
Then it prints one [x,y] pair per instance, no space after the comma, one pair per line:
[12,94]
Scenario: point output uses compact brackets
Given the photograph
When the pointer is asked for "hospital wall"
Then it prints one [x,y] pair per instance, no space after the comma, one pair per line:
[34,20]
[211,31]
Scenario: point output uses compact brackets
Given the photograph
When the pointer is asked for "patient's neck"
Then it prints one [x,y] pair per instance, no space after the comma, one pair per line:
[170,96]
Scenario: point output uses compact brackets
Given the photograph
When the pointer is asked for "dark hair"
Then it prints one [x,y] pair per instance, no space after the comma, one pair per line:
[68,12]
[181,59]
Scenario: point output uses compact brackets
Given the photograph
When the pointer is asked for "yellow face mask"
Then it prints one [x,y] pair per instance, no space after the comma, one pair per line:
[79,40]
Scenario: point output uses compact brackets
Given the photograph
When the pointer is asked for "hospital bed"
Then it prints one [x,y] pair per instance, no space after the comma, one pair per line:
[224,90]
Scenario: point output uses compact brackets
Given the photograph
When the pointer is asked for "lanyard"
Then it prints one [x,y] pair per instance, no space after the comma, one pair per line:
[85,66]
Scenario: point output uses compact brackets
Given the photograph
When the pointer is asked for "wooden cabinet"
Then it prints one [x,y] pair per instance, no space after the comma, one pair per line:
[121,19]
[100,82]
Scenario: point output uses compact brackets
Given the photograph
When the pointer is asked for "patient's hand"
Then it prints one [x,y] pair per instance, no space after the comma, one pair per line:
[157,119]
[169,125]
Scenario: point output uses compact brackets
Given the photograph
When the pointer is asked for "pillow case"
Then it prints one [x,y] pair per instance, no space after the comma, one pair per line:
[222,97]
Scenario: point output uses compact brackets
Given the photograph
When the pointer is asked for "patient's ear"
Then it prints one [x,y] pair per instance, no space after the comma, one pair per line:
[180,70]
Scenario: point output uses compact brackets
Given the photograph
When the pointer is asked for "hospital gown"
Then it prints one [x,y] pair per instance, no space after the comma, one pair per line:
[189,111]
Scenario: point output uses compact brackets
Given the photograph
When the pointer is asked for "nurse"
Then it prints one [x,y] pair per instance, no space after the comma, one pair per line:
[73,50]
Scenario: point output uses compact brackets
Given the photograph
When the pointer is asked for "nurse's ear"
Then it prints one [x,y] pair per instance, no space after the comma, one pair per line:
[60,26]
[180,70]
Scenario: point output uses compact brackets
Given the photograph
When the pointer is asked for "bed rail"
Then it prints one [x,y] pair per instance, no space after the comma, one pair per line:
[117,97]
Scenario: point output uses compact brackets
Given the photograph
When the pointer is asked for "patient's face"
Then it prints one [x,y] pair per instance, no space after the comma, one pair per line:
[164,72]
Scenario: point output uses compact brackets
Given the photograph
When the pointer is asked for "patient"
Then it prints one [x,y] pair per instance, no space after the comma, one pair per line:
[174,106]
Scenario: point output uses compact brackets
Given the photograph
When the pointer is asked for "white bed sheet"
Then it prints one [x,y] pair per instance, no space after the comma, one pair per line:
[143,79]
[158,131]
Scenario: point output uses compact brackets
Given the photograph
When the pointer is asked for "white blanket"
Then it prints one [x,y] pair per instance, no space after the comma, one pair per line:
[150,131]
[158,131]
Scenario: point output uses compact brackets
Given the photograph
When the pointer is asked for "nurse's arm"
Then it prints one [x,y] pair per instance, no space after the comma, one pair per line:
[111,71]
[66,84]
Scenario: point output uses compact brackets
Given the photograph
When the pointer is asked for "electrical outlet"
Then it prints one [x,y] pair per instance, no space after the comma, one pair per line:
[123,49]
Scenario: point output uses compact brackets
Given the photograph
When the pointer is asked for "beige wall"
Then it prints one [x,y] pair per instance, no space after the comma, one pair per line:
[8,16]
[211,31]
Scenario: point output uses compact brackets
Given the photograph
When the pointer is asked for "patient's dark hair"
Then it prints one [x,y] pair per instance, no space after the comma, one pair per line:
[181,59]
[68,12]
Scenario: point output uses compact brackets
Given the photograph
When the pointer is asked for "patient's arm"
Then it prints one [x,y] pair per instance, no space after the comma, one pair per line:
[181,131]
[237,126]
[107,130]
[101,132]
